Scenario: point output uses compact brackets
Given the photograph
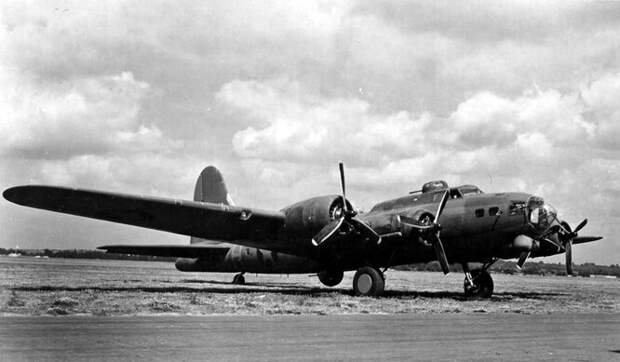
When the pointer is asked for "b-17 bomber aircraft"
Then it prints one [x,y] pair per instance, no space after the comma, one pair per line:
[326,235]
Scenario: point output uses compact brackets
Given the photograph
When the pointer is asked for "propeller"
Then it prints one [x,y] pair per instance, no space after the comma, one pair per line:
[553,229]
[347,219]
[565,235]
[567,238]
[432,232]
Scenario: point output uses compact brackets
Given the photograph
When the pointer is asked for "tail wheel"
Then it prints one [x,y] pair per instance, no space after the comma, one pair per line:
[368,281]
[483,285]
[331,278]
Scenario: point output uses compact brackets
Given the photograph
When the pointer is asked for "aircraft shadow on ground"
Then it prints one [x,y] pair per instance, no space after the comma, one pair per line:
[282,288]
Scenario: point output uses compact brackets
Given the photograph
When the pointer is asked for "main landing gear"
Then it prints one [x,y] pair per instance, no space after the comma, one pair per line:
[368,281]
[478,282]
[238,279]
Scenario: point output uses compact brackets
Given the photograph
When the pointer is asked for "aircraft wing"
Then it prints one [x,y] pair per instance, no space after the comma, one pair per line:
[586,239]
[179,251]
[245,226]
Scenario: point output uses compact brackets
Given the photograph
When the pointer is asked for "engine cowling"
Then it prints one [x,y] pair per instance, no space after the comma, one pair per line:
[420,217]
[309,216]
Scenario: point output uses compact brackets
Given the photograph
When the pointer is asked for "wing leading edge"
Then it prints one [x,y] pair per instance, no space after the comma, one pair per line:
[200,219]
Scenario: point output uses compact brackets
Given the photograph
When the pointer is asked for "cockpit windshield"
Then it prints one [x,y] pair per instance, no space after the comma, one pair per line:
[541,215]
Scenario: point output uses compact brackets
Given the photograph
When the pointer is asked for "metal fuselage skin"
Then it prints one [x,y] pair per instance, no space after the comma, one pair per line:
[475,228]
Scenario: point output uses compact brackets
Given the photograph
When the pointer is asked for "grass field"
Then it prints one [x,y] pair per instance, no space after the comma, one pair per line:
[30,286]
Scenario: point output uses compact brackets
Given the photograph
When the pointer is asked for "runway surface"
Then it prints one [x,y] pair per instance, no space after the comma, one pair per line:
[584,337]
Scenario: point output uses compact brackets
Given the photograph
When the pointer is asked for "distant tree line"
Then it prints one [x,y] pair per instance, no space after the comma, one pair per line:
[82,254]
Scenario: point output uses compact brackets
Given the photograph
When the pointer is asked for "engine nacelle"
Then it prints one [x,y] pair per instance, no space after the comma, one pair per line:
[308,217]
[188,265]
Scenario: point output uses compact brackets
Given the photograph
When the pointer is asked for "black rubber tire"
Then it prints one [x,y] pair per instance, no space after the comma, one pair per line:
[483,285]
[238,279]
[368,281]
[330,278]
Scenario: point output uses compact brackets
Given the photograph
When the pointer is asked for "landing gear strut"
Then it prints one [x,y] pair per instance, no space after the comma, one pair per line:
[368,281]
[478,283]
[239,279]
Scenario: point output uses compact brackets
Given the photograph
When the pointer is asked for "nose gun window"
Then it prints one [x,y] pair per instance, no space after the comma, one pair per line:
[517,208]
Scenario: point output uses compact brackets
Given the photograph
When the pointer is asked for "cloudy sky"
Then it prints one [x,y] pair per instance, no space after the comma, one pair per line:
[139,96]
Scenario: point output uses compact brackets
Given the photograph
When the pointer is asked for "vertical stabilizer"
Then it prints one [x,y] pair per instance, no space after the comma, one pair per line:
[210,187]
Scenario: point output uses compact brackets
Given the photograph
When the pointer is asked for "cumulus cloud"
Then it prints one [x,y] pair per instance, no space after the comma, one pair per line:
[286,123]
[81,116]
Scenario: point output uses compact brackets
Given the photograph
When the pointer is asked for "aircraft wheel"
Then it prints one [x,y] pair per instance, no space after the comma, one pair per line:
[483,285]
[238,279]
[368,281]
[331,278]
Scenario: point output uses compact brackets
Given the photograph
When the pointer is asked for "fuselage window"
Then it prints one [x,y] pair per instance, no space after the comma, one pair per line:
[479,212]
[493,211]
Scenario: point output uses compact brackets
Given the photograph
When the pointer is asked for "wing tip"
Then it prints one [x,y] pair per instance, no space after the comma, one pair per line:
[15,194]
[26,194]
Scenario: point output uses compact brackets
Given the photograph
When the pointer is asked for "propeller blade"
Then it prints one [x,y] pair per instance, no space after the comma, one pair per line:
[442,204]
[327,231]
[441,254]
[585,239]
[569,257]
[342,184]
[580,226]
[522,258]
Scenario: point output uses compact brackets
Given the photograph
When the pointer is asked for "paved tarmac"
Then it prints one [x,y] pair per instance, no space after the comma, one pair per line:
[584,337]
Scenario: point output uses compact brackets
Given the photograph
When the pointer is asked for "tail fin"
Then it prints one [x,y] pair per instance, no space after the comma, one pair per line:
[210,187]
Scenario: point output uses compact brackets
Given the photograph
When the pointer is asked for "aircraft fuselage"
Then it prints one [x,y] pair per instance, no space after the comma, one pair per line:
[478,228]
